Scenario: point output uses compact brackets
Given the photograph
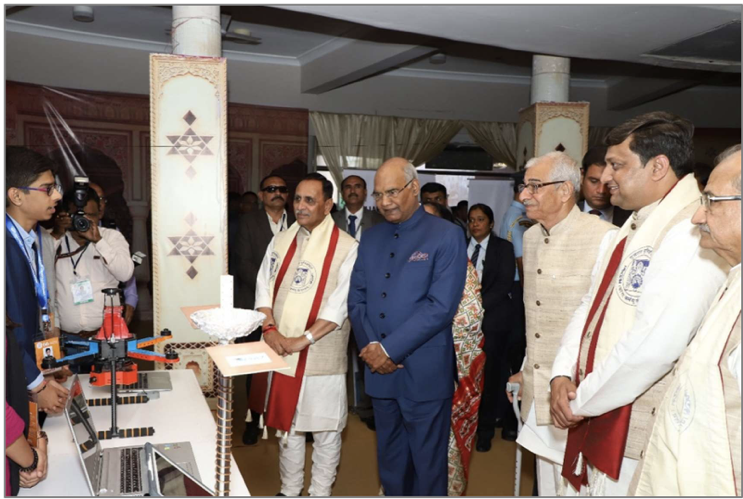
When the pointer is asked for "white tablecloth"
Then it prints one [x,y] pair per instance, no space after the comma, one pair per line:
[178,416]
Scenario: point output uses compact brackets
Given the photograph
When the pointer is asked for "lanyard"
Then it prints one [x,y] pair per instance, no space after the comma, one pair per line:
[72,259]
[39,276]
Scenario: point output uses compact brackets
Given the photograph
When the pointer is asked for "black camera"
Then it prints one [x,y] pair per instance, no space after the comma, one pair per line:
[80,193]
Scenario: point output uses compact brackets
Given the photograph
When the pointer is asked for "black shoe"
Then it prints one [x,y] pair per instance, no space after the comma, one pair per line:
[280,495]
[250,435]
[370,423]
[483,443]
[499,422]
[509,435]
[309,438]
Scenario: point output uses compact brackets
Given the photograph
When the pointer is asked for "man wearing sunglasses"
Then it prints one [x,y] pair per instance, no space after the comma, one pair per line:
[255,231]
[698,453]
[31,196]
[653,288]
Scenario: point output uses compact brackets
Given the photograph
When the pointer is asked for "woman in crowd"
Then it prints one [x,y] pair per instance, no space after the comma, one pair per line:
[468,339]
[494,260]
[25,466]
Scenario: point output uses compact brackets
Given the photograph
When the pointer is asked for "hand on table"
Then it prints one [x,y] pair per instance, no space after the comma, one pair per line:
[563,391]
[31,478]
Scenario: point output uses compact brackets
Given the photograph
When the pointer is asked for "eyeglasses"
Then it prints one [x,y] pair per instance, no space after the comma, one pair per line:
[706,199]
[49,189]
[273,188]
[534,188]
[392,193]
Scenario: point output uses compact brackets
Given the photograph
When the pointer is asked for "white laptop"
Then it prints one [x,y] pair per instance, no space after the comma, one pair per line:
[118,471]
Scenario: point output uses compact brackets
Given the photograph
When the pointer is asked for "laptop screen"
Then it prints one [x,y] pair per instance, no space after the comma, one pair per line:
[84,433]
[173,481]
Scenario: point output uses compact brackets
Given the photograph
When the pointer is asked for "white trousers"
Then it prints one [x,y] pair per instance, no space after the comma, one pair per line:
[326,454]
[548,477]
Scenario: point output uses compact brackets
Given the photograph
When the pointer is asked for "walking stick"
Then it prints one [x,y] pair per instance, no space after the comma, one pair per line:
[513,388]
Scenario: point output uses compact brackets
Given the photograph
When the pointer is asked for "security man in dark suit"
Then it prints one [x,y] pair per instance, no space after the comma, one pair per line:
[354,219]
[405,289]
[254,232]
[494,260]
[594,194]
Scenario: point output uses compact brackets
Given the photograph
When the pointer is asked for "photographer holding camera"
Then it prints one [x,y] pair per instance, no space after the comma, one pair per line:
[89,259]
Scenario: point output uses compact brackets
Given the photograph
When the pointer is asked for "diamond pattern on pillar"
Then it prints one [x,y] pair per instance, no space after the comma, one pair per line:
[560,148]
[191,245]
[190,145]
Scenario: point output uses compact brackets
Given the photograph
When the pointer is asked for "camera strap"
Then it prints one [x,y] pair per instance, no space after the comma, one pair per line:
[80,250]
[39,273]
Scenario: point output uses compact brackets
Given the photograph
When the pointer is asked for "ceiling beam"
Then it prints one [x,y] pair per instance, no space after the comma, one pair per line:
[344,61]
[632,92]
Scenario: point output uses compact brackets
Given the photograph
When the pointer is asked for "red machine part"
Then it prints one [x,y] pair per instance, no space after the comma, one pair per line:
[114,326]
[125,376]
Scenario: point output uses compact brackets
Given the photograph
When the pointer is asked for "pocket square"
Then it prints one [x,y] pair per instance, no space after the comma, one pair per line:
[418,257]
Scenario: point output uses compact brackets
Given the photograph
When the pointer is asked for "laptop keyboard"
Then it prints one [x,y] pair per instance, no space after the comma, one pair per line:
[131,480]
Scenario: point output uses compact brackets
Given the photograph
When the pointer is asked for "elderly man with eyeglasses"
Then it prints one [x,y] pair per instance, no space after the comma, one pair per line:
[653,286]
[255,231]
[559,255]
[694,445]
[405,289]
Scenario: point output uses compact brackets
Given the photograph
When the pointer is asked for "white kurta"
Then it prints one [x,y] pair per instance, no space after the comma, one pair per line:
[679,287]
[322,404]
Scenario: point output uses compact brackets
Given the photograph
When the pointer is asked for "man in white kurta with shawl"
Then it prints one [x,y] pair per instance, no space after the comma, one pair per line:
[653,289]
[694,445]
[302,287]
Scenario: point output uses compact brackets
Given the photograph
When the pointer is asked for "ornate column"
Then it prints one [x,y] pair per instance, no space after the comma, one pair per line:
[188,126]
[551,122]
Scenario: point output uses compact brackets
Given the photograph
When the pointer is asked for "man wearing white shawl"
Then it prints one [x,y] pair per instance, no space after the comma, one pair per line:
[302,287]
[654,286]
[694,445]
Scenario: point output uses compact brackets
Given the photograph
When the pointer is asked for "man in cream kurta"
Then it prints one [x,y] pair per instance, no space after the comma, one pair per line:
[694,445]
[654,286]
[559,253]
[321,407]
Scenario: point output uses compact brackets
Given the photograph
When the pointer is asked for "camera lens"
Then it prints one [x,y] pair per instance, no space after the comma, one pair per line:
[80,223]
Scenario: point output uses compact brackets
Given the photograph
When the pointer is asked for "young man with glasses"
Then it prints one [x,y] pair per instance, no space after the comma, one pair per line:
[652,290]
[559,255]
[698,454]
[255,231]
[405,289]
[31,196]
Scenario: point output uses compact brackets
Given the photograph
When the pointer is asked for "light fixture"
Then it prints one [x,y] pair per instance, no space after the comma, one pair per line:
[83,13]
[439,58]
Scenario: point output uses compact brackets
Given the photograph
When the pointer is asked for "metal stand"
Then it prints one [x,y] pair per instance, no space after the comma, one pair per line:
[224,434]
[513,388]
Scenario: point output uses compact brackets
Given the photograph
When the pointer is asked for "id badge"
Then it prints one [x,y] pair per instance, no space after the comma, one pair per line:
[82,291]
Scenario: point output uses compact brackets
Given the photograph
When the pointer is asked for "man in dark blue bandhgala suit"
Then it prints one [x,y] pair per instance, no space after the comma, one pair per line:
[405,288]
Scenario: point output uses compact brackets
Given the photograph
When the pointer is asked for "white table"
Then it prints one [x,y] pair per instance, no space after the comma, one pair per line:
[178,416]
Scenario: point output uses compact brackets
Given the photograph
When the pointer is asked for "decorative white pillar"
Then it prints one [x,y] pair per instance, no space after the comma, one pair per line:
[550,79]
[140,210]
[197,31]
[551,123]
[188,130]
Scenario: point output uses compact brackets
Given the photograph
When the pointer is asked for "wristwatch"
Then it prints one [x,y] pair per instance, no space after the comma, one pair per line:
[33,465]
[308,335]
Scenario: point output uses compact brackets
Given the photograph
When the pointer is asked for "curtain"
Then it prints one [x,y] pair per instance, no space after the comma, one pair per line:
[498,139]
[420,140]
[352,140]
